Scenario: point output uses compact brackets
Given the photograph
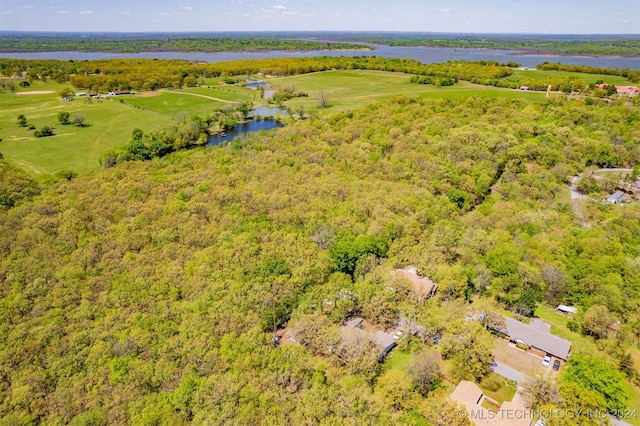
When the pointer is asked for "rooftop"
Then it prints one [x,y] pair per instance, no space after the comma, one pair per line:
[537,334]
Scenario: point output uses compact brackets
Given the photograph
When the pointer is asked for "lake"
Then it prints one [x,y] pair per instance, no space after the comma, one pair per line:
[422,54]
[242,130]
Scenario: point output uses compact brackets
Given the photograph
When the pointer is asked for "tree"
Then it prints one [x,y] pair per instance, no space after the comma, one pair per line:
[43,132]
[67,92]
[540,390]
[424,370]
[595,373]
[22,120]
[63,117]
[323,99]
[11,85]
[316,333]
[78,119]
[394,389]
[358,351]
[596,321]
[468,344]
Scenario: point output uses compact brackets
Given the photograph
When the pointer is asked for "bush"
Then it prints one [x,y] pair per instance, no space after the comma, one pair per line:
[63,117]
[44,132]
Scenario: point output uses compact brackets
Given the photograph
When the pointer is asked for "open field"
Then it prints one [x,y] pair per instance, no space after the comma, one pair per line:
[109,122]
[79,149]
[357,88]
[587,78]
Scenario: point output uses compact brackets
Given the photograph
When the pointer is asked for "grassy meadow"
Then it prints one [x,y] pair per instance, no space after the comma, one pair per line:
[109,121]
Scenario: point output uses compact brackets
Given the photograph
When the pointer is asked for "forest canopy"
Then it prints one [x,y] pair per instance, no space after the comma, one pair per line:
[147,293]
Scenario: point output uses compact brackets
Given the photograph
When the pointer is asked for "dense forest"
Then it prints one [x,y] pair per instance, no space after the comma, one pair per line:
[148,292]
[575,45]
[626,46]
[56,42]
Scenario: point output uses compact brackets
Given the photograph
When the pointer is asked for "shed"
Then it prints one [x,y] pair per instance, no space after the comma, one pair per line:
[564,309]
[616,197]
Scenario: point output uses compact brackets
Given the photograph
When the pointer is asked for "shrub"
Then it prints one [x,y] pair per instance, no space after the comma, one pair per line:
[43,132]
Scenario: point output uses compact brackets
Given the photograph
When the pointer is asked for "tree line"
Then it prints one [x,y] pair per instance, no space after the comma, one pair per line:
[13,42]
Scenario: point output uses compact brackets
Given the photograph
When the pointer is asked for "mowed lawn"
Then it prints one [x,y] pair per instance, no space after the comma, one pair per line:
[353,89]
[587,78]
[197,101]
[107,123]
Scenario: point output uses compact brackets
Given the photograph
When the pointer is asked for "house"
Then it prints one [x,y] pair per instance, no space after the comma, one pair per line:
[627,90]
[423,287]
[566,310]
[616,197]
[621,90]
[385,342]
[535,337]
[510,413]
[353,323]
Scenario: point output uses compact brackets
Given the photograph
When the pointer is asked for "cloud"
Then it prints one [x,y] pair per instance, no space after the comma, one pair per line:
[86,12]
[279,9]
[444,10]
[28,6]
[126,13]
[63,12]
[185,8]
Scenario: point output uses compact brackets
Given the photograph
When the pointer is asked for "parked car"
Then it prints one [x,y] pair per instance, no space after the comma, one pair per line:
[546,361]
[556,365]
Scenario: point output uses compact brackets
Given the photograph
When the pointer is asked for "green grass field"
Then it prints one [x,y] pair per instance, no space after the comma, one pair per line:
[110,121]
[587,78]
[354,89]
[107,123]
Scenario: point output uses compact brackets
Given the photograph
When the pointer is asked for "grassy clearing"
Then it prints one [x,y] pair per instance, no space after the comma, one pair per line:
[587,78]
[108,123]
[357,88]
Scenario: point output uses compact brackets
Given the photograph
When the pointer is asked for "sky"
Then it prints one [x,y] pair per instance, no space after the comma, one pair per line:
[466,16]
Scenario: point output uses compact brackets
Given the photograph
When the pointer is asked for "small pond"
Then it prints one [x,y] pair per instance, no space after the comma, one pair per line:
[267,112]
[256,84]
[243,129]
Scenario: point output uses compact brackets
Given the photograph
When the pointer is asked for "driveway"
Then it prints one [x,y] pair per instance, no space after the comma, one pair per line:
[508,372]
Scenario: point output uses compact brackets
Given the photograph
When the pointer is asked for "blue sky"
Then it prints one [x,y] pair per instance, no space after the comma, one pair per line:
[471,16]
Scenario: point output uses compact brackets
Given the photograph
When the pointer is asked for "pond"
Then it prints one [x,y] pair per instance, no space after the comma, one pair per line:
[267,112]
[243,129]
[257,84]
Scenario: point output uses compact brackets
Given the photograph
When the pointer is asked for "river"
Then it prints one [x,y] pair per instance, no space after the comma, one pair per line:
[422,54]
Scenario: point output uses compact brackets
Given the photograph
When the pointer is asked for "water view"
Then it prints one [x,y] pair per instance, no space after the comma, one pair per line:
[421,54]
[243,129]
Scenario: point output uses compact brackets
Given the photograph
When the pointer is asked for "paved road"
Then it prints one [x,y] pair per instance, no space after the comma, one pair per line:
[508,372]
